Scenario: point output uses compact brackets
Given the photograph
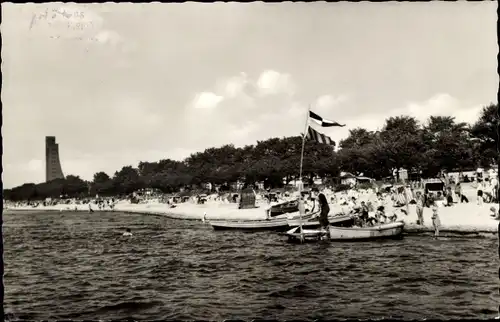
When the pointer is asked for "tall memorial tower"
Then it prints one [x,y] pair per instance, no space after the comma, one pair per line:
[53,168]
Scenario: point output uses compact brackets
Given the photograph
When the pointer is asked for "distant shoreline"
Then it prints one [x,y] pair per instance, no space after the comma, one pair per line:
[147,213]
[487,225]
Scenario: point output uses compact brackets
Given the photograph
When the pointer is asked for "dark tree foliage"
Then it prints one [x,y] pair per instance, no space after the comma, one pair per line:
[485,134]
[439,143]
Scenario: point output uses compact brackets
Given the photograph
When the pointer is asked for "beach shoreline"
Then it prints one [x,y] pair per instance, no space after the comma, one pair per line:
[460,219]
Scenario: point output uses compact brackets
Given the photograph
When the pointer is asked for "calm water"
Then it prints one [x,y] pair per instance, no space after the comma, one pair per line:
[78,266]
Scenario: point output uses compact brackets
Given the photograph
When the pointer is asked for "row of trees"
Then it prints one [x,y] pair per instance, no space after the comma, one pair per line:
[439,144]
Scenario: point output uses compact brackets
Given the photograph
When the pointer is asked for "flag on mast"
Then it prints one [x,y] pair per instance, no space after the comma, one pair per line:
[323,122]
[314,135]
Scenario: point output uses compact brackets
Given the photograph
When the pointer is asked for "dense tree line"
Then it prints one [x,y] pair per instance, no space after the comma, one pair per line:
[439,144]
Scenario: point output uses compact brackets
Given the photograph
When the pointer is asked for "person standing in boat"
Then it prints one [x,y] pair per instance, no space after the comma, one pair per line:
[364,211]
[380,215]
[324,208]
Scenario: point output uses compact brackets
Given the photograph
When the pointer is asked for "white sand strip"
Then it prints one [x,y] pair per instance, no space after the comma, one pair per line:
[459,218]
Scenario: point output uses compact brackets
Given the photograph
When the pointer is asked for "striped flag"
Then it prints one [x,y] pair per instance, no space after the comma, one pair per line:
[323,122]
[314,135]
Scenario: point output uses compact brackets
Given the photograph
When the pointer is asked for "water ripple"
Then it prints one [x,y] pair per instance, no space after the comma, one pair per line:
[78,266]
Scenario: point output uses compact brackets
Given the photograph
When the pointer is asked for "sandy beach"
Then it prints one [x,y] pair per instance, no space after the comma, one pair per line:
[459,218]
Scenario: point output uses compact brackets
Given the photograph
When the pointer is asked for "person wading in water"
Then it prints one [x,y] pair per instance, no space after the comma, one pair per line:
[324,210]
[420,208]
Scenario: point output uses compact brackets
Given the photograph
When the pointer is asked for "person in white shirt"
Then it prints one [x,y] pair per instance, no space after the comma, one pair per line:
[494,188]
[352,203]
[479,190]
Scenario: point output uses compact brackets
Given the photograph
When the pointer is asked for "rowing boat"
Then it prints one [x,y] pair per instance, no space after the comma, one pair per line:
[250,225]
[279,223]
[385,231]
[338,221]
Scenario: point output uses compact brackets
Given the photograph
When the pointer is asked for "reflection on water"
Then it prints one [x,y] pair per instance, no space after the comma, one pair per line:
[79,266]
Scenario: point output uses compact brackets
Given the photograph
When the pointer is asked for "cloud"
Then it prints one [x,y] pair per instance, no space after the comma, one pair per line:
[238,91]
[234,86]
[241,91]
[272,82]
[441,104]
[241,110]
[206,100]
[327,102]
[97,97]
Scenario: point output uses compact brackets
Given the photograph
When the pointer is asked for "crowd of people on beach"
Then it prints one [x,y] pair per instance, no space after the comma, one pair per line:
[373,209]
[368,206]
[68,204]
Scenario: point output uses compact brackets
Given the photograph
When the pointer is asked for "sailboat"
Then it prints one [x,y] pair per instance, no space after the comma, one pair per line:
[302,234]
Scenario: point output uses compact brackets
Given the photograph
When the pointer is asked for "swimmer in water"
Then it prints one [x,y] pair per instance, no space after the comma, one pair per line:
[127,232]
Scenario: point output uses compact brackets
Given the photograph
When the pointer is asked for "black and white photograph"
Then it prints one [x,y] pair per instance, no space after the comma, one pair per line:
[247,161]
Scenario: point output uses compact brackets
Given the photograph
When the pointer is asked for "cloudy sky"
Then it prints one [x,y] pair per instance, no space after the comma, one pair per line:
[121,83]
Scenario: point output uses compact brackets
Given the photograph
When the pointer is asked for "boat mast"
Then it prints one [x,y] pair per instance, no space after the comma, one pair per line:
[301,184]
[303,144]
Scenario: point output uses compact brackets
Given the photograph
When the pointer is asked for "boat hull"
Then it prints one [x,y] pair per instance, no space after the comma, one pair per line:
[250,225]
[386,231]
[337,221]
[275,224]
